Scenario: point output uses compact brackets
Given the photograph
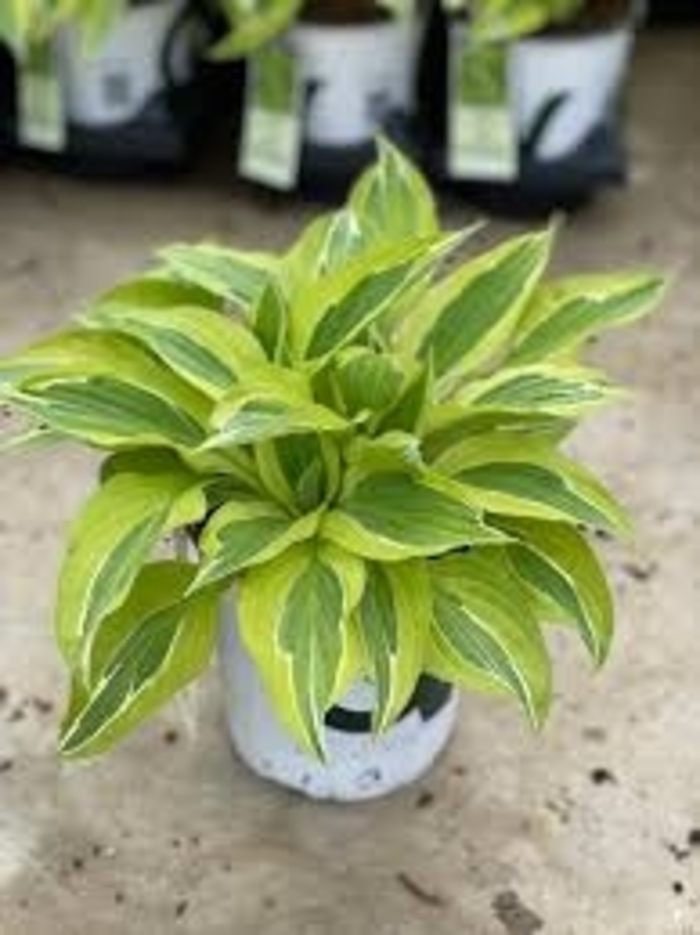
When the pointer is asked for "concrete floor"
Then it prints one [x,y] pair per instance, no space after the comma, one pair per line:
[584,830]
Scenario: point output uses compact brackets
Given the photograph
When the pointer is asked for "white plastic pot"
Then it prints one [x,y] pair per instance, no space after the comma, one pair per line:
[355,75]
[359,765]
[588,68]
[112,84]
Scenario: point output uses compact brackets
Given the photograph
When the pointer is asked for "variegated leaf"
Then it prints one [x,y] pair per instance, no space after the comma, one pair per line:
[245,418]
[112,538]
[484,634]
[141,655]
[394,620]
[526,477]
[347,302]
[202,346]
[271,322]
[544,388]
[394,516]
[561,315]
[150,292]
[468,316]
[309,258]
[391,452]
[451,424]
[562,571]
[406,413]
[367,381]
[294,620]
[81,354]
[111,414]
[302,471]
[392,199]
[343,240]
[245,533]
[233,275]
[104,389]
[276,403]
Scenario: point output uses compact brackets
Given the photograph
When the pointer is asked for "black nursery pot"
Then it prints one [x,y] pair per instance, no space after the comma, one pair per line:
[141,102]
[562,102]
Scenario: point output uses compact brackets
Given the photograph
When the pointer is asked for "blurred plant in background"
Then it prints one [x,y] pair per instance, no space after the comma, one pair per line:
[253,23]
[24,23]
[499,20]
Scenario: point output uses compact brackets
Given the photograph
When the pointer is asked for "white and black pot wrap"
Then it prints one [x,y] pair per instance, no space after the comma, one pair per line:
[565,97]
[358,80]
[566,91]
[135,102]
[359,765]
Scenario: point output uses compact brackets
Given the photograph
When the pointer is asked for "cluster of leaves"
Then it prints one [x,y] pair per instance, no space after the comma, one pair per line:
[365,443]
[254,23]
[503,20]
[26,23]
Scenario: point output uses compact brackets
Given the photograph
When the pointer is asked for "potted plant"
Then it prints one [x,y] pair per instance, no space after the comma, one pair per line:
[366,457]
[111,87]
[533,90]
[342,71]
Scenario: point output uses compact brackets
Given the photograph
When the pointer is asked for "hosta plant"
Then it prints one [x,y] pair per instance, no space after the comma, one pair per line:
[364,446]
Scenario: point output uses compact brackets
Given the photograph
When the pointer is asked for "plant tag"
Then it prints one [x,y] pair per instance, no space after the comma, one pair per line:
[482,139]
[270,150]
[41,122]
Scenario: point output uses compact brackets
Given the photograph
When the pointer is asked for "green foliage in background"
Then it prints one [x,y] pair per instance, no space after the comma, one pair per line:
[503,20]
[253,23]
[365,439]
[26,23]
[256,22]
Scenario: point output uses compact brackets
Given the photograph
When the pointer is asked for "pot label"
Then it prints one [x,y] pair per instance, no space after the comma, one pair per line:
[271,138]
[482,135]
[41,118]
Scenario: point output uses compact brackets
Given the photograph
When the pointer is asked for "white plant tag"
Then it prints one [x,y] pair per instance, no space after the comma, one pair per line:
[41,120]
[271,138]
[482,134]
